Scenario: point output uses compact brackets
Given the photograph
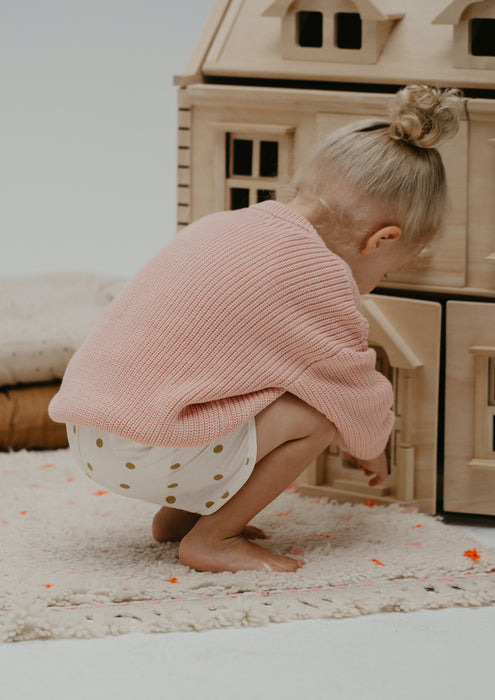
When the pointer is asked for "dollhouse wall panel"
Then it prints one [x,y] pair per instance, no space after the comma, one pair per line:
[255,115]
[184,177]
[469,471]
[445,261]
[481,254]
[183,163]
[215,110]
[311,114]
[418,324]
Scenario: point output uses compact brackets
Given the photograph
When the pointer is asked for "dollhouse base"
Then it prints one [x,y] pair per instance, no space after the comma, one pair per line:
[348,496]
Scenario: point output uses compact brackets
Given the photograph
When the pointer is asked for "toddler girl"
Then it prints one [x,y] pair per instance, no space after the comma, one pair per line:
[239,352]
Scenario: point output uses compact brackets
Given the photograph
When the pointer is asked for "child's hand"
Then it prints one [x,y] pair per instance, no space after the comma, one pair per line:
[377,467]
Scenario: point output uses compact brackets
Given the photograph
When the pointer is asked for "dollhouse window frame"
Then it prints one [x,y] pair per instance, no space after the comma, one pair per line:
[248,179]
[343,25]
[342,36]
[479,20]
[333,37]
[255,183]
[318,23]
[461,17]
[484,408]
[360,40]
[491,256]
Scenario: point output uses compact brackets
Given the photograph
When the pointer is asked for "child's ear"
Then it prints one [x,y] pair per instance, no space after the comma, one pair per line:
[375,239]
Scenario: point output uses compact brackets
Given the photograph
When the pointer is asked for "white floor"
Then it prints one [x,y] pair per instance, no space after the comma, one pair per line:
[432,654]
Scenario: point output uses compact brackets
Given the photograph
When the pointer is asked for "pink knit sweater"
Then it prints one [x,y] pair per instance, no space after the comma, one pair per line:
[239,308]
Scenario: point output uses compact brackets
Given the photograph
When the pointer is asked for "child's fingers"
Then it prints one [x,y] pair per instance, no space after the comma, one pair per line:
[366,471]
[377,479]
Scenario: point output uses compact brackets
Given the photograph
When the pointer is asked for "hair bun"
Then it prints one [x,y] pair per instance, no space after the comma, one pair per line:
[424,116]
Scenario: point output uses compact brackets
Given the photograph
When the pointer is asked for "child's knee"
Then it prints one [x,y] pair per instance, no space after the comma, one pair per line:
[324,429]
[315,423]
[290,418]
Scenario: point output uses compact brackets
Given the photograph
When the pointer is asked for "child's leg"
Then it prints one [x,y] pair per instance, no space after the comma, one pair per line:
[290,434]
[172,524]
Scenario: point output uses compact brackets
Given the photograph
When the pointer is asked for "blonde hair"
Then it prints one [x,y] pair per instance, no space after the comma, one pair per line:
[392,163]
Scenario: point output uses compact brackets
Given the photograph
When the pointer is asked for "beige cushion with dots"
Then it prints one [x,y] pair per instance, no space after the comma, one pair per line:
[44,319]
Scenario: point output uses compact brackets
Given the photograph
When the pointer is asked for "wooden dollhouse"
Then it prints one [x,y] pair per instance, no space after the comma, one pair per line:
[269,79]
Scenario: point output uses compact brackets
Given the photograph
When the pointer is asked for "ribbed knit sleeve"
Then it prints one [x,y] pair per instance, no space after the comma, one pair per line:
[239,308]
[352,395]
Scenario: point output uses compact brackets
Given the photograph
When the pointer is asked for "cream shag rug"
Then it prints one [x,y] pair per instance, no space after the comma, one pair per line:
[76,561]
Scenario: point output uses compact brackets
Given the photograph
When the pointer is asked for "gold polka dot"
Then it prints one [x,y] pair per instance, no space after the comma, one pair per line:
[247,460]
[175,466]
[125,486]
[99,442]
[130,465]
[217,477]
[90,466]
[218,448]
[226,494]
[74,429]
[209,504]
[170,499]
[172,486]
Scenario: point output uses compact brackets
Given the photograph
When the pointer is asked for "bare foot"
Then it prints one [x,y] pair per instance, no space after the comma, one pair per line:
[205,553]
[172,524]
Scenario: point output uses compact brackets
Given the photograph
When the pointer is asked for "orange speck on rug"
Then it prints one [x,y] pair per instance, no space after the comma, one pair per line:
[472,554]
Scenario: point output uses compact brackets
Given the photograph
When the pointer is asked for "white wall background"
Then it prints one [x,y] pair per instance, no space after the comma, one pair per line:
[88,130]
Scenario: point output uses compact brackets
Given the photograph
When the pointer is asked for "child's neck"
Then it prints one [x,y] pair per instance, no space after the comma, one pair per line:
[321,220]
[365,270]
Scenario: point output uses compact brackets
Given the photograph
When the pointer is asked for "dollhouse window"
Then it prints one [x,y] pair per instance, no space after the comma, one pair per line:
[242,157]
[252,169]
[482,37]
[239,197]
[348,30]
[268,158]
[309,29]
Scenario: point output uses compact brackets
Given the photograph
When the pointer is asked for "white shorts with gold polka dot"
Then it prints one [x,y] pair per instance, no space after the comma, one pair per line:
[195,479]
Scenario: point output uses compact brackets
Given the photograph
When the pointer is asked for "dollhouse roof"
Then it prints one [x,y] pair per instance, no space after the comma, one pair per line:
[453,12]
[384,333]
[379,10]
[242,40]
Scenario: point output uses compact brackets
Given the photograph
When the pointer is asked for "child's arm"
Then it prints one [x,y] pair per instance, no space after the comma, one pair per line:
[356,398]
